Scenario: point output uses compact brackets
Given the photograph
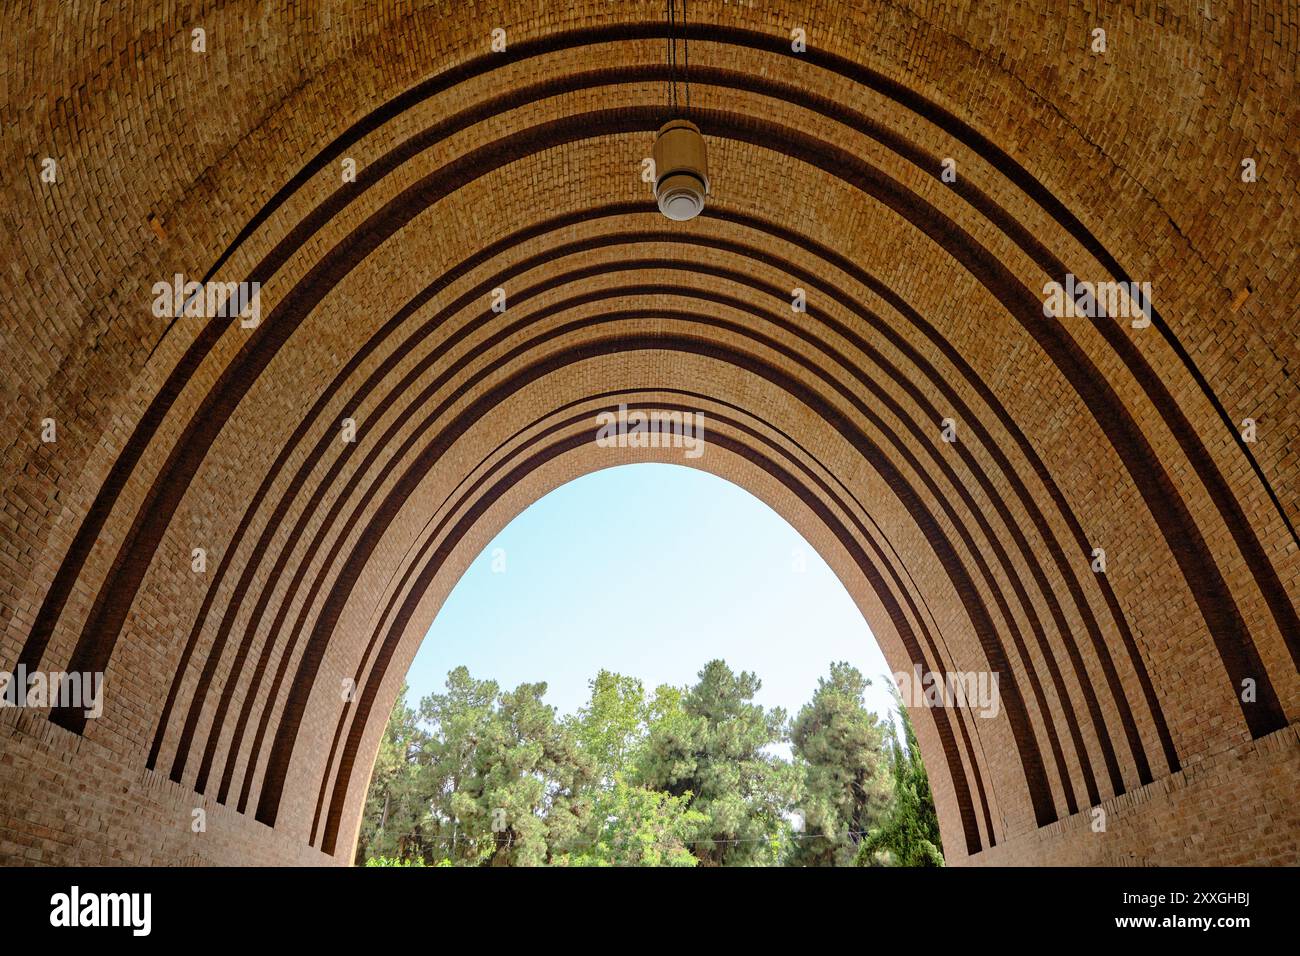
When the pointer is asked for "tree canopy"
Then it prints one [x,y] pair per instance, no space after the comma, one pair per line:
[684,776]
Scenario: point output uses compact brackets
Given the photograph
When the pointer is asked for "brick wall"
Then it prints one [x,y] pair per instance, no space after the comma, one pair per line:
[521,170]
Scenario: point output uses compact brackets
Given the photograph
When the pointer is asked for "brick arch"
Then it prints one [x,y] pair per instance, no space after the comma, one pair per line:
[1071,434]
[756,451]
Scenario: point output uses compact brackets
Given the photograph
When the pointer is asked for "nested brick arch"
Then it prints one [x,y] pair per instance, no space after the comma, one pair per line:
[519,170]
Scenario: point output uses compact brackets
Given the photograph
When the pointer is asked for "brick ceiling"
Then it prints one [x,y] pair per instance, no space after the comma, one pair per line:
[258,686]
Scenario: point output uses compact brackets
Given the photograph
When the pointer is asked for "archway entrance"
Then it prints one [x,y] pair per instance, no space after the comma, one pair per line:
[648,666]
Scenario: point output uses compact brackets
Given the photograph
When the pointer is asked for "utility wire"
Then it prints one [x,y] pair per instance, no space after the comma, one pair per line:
[587,844]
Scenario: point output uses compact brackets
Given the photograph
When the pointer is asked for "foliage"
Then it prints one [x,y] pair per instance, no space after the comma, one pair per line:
[612,725]
[713,746]
[908,835]
[636,826]
[845,779]
[392,861]
[478,776]
[506,775]
[393,820]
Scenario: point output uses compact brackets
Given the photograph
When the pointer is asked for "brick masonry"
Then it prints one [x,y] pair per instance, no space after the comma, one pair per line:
[521,169]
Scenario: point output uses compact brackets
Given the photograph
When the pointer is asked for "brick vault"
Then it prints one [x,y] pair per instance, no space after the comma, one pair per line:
[1100,508]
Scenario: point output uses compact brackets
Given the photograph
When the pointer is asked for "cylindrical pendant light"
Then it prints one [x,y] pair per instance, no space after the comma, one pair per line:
[681,170]
[681,165]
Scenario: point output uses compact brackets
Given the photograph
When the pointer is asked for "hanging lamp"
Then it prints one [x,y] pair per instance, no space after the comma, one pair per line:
[681,164]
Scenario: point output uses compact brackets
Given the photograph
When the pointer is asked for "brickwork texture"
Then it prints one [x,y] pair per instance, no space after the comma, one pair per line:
[184,513]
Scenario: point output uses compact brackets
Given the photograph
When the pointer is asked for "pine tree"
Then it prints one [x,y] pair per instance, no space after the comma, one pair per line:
[840,746]
[713,749]
[909,834]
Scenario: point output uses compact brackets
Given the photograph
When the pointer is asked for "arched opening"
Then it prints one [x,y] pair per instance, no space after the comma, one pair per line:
[619,590]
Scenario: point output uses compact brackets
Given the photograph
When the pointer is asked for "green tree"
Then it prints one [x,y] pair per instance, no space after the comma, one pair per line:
[626,824]
[636,826]
[909,833]
[393,822]
[710,746]
[511,777]
[840,747]
[611,727]
[478,776]
[461,719]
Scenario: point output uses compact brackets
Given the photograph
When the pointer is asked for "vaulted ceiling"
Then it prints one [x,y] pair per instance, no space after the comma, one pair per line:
[257,686]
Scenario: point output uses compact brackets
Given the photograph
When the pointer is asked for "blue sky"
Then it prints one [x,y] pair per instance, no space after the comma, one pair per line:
[649,570]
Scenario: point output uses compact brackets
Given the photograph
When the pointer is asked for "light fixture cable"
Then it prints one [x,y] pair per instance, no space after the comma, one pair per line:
[674,102]
[686,60]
